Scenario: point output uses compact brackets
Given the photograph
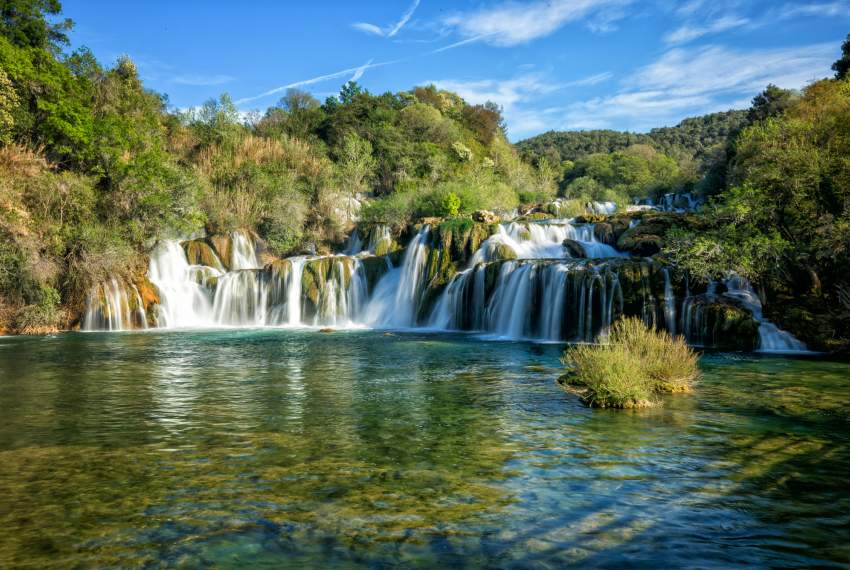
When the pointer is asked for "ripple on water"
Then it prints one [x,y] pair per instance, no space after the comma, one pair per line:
[280,447]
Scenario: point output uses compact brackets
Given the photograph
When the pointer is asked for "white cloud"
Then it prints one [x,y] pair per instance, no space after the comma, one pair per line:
[825,10]
[517,95]
[202,80]
[389,31]
[592,80]
[356,71]
[690,32]
[510,24]
[691,81]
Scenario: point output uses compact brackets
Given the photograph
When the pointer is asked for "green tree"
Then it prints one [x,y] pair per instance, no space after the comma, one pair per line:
[842,66]
[356,166]
[450,205]
[26,24]
[771,102]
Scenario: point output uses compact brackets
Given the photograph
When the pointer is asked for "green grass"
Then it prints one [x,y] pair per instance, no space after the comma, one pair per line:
[631,367]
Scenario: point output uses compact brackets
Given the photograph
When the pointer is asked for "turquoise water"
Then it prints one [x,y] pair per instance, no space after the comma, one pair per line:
[275,449]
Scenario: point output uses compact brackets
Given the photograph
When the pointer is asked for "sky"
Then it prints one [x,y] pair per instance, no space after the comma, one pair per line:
[551,64]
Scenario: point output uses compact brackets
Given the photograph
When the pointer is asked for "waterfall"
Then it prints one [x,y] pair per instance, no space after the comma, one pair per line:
[114,306]
[542,241]
[185,301]
[243,252]
[542,300]
[669,303]
[395,302]
[602,208]
[771,337]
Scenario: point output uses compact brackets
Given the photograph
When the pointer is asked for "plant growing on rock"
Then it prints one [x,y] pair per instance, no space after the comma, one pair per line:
[630,368]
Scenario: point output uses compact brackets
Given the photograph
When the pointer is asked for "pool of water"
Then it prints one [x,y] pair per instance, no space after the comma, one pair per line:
[272,448]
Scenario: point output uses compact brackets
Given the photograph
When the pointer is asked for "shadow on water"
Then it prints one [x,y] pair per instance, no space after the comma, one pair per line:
[284,448]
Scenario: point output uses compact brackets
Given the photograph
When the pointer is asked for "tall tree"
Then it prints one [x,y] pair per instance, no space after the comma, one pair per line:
[842,66]
[26,23]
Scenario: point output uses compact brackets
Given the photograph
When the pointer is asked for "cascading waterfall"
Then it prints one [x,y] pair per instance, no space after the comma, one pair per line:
[771,337]
[395,302]
[544,300]
[185,300]
[520,283]
[669,303]
[542,241]
[114,306]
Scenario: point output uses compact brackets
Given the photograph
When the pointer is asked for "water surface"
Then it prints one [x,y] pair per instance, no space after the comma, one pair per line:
[280,448]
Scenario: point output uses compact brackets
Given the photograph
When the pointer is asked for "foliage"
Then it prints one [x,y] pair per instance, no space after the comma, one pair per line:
[635,172]
[692,138]
[450,204]
[842,66]
[631,367]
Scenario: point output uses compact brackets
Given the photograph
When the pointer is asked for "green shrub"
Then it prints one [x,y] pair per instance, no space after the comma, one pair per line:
[632,367]
[41,317]
[450,204]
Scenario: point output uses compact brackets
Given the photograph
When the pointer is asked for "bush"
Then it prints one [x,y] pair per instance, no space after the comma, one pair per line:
[632,367]
[42,317]
[450,204]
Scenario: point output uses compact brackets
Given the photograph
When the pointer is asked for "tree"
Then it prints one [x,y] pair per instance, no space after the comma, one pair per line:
[842,66]
[356,165]
[349,91]
[8,101]
[771,102]
[25,23]
[297,100]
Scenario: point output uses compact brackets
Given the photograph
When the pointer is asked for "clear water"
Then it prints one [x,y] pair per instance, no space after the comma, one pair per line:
[275,449]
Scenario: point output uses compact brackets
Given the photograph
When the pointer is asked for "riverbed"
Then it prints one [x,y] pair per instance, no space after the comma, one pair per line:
[294,448]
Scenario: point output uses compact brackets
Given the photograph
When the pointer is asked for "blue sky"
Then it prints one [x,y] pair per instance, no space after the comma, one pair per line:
[551,64]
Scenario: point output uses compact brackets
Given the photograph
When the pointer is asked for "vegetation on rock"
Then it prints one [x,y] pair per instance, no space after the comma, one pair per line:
[630,368]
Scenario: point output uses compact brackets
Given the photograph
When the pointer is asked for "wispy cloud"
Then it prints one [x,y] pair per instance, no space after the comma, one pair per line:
[688,81]
[202,80]
[389,31]
[690,32]
[355,72]
[825,10]
[510,24]
[591,80]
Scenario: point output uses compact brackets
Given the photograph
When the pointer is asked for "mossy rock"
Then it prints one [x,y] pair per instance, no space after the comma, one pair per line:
[604,232]
[199,252]
[574,248]
[223,246]
[640,243]
[504,252]
[375,268]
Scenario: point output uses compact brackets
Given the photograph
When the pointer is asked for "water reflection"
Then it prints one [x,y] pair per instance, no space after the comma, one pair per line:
[304,449]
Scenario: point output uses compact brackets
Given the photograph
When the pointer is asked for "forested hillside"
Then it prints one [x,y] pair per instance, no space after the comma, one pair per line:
[694,137]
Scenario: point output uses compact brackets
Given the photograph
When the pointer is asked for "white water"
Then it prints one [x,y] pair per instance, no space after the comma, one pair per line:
[669,304]
[771,337]
[395,301]
[184,301]
[108,308]
[542,241]
[542,295]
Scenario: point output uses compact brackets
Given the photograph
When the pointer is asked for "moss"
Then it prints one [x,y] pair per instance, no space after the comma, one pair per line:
[199,252]
[223,246]
[374,268]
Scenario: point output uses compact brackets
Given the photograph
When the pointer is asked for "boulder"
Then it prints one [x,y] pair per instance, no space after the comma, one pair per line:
[574,248]
[485,217]
[604,232]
